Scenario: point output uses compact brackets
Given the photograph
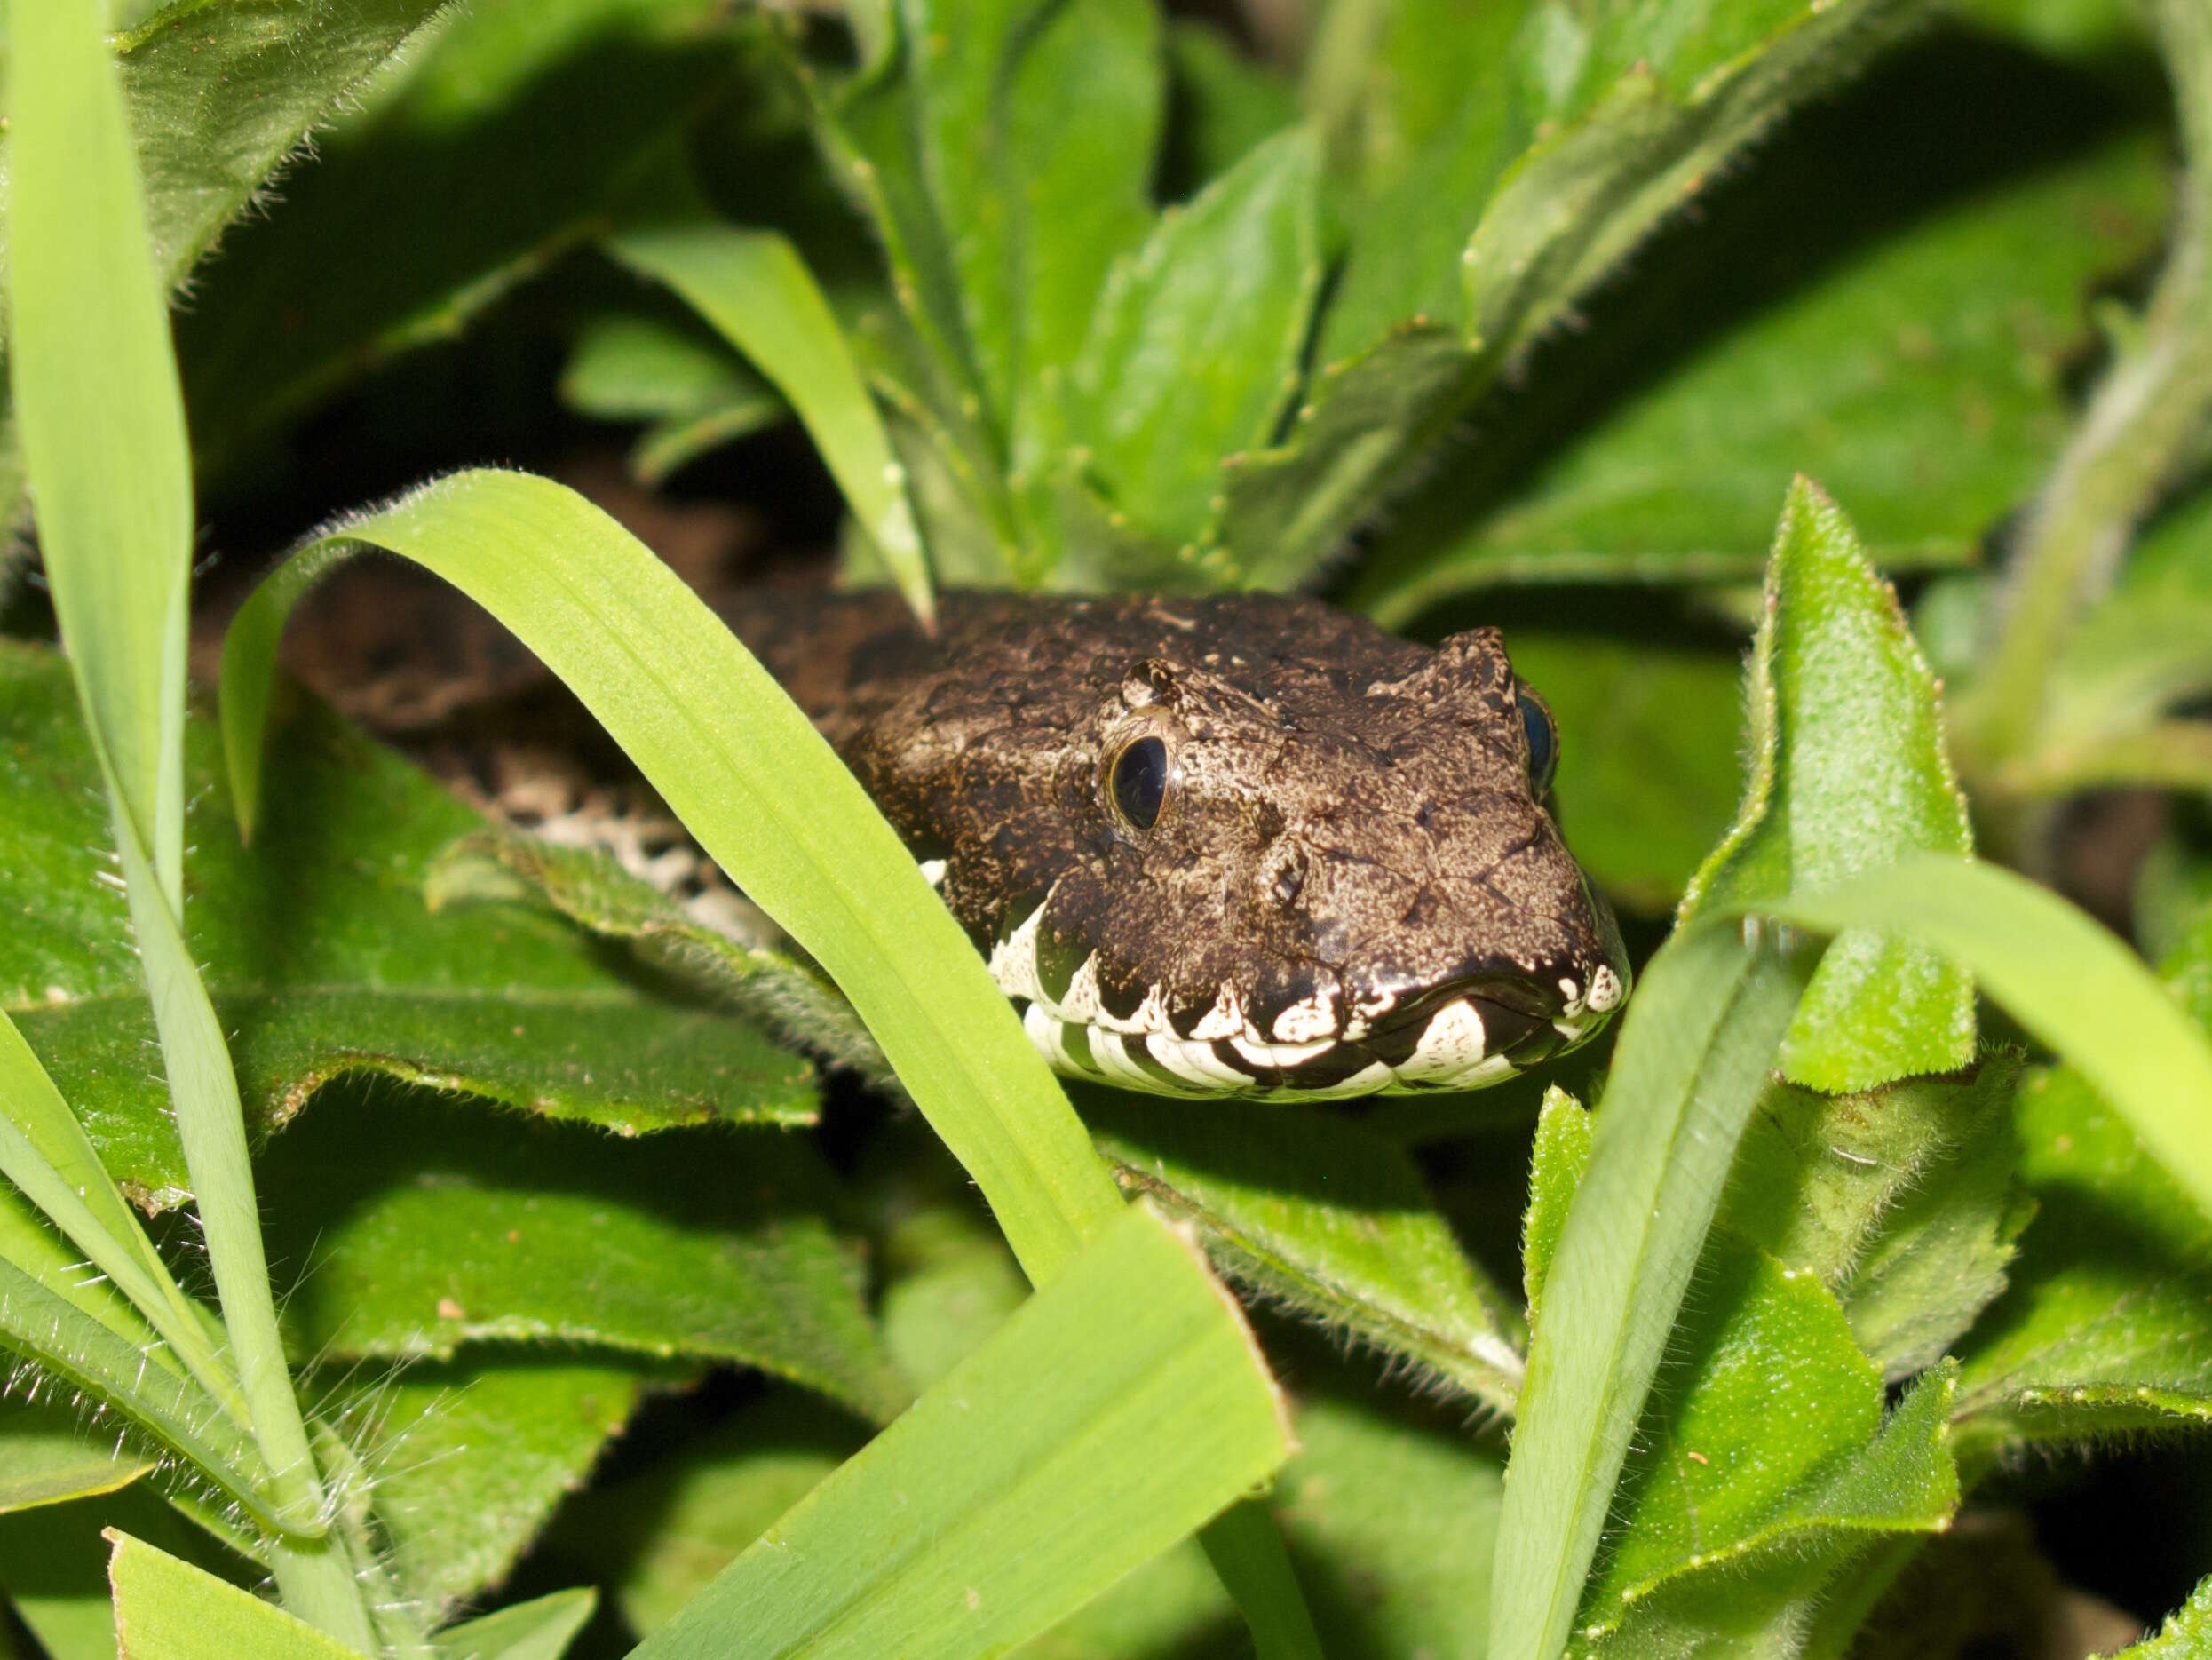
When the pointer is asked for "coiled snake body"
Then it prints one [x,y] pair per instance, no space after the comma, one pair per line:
[1241,845]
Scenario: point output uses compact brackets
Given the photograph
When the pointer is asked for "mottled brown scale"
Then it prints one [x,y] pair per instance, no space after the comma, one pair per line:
[1350,816]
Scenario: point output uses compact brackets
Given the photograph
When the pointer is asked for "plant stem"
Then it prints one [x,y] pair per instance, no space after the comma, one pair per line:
[2145,426]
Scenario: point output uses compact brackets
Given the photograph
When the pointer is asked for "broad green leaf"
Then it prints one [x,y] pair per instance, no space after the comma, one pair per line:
[1753,1579]
[1556,1169]
[1222,105]
[1391,1524]
[322,954]
[1035,127]
[1847,769]
[1437,120]
[220,97]
[468,1458]
[205,158]
[1697,1042]
[946,1280]
[661,1535]
[2186,1631]
[1640,107]
[426,1231]
[1919,372]
[1326,1220]
[1649,732]
[1194,350]
[47,1457]
[753,288]
[1114,1413]
[509,143]
[168,1609]
[2067,980]
[541,1629]
[2104,1329]
[1900,1200]
[772,987]
[696,394]
[736,760]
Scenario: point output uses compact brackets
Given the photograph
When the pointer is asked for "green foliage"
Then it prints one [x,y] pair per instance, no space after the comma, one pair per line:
[1847,770]
[586,1255]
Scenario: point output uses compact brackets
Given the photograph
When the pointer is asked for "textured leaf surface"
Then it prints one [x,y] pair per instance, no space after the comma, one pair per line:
[468,1459]
[770,986]
[516,131]
[322,957]
[1321,1217]
[53,1562]
[1763,1466]
[1847,770]
[1918,372]
[1191,353]
[1900,1200]
[2186,1631]
[1773,1457]
[416,1230]
[1639,107]
[1116,1411]
[2107,1325]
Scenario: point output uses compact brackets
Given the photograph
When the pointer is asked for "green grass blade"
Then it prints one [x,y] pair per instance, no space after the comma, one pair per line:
[767,797]
[1117,1410]
[1699,1039]
[101,414]
[43,1151]
[2075,986]
[168,1609]
[81,1332]
[752,286]
[102,422]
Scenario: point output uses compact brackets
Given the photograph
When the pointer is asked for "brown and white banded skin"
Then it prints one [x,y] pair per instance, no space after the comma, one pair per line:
[1351,881]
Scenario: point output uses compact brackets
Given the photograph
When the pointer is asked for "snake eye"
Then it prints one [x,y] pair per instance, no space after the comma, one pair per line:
[1139,781]
[1544,740]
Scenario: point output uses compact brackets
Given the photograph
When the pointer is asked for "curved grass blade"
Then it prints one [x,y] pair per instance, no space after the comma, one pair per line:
[1117,1410]
[1694,1053]
[752,286]
[767,797]
[2075,986]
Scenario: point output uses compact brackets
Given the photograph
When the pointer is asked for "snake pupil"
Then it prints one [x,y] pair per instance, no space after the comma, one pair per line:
[1140,782]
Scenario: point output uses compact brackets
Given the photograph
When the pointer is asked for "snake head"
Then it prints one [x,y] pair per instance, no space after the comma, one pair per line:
[1293,878]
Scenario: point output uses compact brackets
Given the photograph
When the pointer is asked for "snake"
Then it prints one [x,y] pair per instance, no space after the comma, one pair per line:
[1243,844]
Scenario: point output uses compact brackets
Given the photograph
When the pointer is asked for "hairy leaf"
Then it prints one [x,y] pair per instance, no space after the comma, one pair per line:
[1848,769]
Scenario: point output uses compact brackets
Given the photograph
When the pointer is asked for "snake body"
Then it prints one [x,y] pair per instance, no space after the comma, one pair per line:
[1241,845]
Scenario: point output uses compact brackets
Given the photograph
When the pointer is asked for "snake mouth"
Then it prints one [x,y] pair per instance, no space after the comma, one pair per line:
[1465,1032]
